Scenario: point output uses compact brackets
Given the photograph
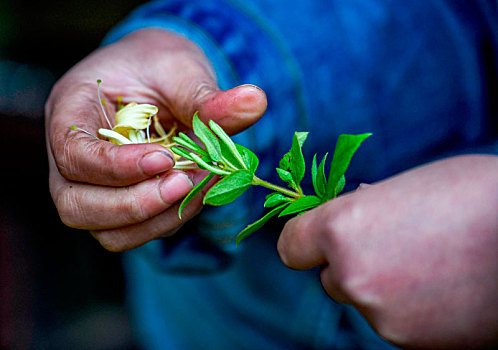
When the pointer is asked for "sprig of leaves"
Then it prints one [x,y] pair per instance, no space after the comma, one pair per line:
[237,165]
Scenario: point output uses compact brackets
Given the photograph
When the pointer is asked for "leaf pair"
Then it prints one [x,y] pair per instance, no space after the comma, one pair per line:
[345,148]
[292,165]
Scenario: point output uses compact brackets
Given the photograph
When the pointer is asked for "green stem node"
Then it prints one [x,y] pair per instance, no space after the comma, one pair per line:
[258,182]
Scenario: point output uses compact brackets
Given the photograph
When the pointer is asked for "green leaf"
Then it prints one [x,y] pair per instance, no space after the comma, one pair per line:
[345,148]
[275,198]
[285,161]
[258,224]
[314,171]
[297,164]
[185,141]
[229,188]
[250,158]
[321,180]
[340,186]
[301,137]
[286,158]
[228,149]
[198,188]
[207,137]
[181,152]
[286,177]
[204,164]
[230,159]
[301,204]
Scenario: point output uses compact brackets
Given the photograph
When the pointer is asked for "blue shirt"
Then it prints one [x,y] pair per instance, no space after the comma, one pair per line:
[420,75]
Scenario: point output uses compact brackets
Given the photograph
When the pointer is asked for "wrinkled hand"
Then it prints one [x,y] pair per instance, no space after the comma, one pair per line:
[416,254]
[127,195]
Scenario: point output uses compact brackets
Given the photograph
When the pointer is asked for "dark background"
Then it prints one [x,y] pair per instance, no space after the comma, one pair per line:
[58,288]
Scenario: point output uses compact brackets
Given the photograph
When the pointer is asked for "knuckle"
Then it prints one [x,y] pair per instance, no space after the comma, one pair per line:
[110,241]
[340,220]
[355,288]
[117,169]
[64,158]
[338,237]
[199,92]
[132,207]
[70,150]
[75,155]
[68,207]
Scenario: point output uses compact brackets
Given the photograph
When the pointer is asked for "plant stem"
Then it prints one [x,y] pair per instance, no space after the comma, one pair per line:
[258,182]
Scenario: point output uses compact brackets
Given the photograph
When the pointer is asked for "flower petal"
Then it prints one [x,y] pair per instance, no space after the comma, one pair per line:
[136,136]
[134,116]
[114,137]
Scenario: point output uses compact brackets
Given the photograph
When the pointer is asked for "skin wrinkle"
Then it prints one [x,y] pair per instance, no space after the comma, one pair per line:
[67,162]
[68,165]
[70,210]
[92,218]
[202,91]
[134,211]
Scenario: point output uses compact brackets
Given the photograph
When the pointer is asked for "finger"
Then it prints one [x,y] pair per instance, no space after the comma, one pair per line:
[99,162]
[96,207]
[303,244]
[165,224]
[235,109]
[300,245]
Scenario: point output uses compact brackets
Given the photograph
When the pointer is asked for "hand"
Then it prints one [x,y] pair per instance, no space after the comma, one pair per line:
[416,254]
[127,195]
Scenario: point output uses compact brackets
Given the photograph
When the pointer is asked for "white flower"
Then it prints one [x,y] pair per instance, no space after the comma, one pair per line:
[131,121]
[132,125]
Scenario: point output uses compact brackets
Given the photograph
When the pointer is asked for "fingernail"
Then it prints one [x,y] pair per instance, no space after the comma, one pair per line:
[175,186]
[156,162]
[250,99]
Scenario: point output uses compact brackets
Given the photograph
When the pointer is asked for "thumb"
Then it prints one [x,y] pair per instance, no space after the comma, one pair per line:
[234,110]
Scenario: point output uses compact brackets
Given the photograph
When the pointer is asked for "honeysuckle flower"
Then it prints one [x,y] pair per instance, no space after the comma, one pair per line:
[132,126]
[134,116]
[131,121]
[119,139]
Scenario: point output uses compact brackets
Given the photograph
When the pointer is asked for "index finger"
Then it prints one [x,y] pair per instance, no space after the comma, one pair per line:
[300,245]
